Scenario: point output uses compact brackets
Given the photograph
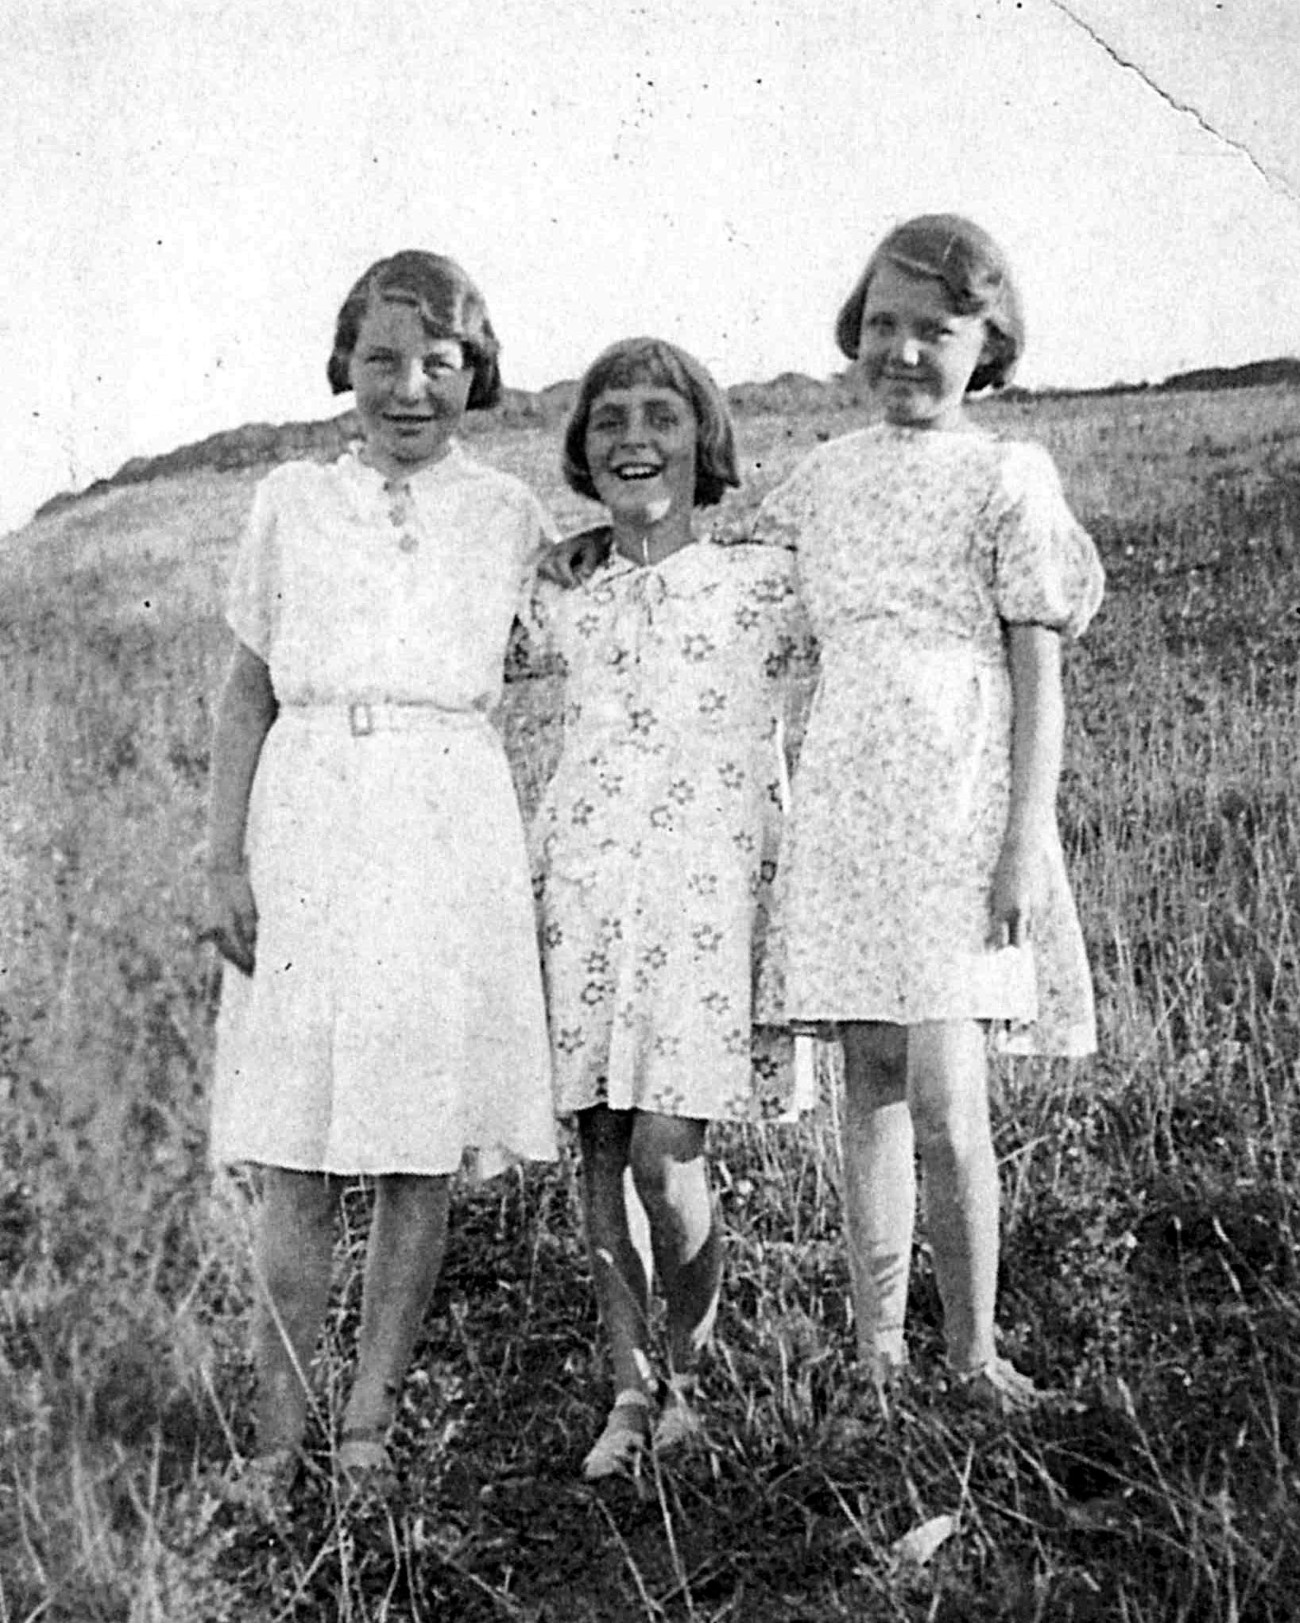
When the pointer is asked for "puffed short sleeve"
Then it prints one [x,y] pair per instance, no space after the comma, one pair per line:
[253,596]
[1045,568]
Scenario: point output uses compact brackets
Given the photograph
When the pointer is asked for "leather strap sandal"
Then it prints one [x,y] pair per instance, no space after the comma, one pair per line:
[618,1449]
[679,1420]
[364,1463]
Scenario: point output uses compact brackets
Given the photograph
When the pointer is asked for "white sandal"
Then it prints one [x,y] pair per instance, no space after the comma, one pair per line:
[618,1449]
[999,1385]
[679,1420]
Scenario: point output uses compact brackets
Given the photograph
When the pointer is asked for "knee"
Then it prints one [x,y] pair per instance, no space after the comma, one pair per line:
[412,1198]
[950,1130]
[947,1091]
[875,1066]
[604,1136]
[296,1234]
[664,1151]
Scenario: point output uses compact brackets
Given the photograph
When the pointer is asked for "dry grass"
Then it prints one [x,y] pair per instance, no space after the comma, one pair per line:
[1151,1225]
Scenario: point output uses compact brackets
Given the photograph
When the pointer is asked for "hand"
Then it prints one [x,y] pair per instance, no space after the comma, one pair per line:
[232,917]
[568,563]
[1017,891]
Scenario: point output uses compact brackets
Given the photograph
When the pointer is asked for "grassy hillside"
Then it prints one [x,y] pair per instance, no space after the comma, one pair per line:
[1150,1197]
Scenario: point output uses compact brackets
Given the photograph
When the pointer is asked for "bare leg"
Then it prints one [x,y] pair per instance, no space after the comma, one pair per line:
[878,1184]
[672,1178]
[948,1091]
[408,1234]
[295,1246]
[617,1271]
[620,1274]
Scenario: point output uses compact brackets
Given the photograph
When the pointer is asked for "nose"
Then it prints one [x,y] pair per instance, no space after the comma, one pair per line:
[411,379]
[906,350]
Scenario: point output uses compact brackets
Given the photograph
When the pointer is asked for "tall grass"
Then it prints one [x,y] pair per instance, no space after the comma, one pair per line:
[1150,1207]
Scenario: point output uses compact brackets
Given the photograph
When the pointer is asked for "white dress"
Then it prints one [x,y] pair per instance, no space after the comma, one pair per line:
[917,548]
[395,1020]
[654,848]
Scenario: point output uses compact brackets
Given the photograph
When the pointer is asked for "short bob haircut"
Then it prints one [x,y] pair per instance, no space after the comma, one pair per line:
[974,273]
[449,304]
[654,361]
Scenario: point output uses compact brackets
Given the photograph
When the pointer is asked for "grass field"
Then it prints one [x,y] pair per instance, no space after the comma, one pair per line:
[1150,1266]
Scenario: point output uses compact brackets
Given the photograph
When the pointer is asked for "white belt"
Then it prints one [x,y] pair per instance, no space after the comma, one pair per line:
[363,717]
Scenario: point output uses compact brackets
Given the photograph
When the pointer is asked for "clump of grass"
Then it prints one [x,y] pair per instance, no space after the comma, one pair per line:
[1150,1213]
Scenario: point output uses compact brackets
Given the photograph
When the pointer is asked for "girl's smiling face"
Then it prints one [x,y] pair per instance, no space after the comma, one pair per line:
[916,353]
[411,388]
[641,451]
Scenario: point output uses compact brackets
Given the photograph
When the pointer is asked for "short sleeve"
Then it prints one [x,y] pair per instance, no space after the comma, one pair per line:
[542,534]
[1045,568]
[253,596]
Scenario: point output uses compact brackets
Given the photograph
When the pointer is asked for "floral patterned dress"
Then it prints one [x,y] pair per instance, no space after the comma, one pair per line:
[654,849]
[916,549]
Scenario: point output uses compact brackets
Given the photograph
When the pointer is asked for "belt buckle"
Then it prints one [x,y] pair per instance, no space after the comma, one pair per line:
[361,720]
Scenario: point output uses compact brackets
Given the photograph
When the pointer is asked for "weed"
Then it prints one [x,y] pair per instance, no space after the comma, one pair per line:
[1150,1263]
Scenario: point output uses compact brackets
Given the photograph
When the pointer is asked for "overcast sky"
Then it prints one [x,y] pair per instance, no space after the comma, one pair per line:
[189,188]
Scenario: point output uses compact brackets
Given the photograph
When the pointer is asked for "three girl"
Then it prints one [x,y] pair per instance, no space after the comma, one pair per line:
[393,1018]
[654,851]
[924,901]
[367,867]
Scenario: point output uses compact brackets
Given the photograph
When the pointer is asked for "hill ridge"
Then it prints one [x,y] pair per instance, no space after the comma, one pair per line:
[265,444]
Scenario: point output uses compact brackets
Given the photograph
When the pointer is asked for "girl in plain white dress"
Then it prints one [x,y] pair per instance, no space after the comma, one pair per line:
[922,895]
[368,877]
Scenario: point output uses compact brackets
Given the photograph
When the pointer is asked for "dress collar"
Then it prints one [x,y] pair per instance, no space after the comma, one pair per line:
[353,463]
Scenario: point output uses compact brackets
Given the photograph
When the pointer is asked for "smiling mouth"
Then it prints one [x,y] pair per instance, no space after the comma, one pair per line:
[634,472]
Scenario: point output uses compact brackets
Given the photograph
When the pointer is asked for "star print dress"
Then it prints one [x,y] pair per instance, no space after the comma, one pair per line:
[654,849]
[916,550]
[395,1022]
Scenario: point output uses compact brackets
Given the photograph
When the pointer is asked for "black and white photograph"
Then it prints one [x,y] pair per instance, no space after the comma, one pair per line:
[650,811]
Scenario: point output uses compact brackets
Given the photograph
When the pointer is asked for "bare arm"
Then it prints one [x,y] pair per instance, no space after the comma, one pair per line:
[244,717]
[1037,731]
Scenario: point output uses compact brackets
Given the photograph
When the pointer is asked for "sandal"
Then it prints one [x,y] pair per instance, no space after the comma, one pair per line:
[618,1449]
[364,1463]
[1000,1386]
[261,1484]
[679,1420]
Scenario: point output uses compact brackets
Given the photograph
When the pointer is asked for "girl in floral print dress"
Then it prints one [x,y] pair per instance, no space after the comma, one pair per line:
[923,896]
[654,852]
